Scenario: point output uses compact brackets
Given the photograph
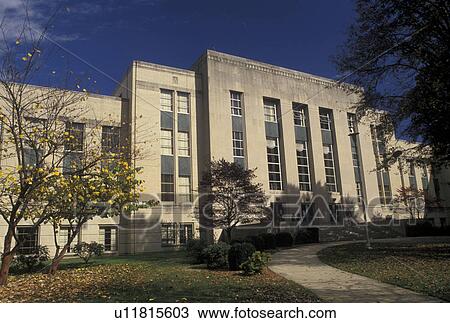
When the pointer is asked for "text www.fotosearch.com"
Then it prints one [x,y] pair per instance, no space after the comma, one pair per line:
[248,313]
[230,313]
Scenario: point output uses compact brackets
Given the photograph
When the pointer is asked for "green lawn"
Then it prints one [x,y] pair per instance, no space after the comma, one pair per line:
[420,266]
[159,277]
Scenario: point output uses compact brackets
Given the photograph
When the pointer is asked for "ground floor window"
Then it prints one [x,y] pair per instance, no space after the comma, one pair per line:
[65,234]
[28,238]
[108,237]
[176,233]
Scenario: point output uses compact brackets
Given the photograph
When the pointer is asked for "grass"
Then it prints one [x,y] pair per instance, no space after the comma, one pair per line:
[423,267]
[158,277]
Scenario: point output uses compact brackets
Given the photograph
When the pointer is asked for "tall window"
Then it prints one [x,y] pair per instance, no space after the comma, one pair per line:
[325,120]
[110,139]
[236,103]
[28,236]
[299,114]
[383,178]
[64,236]
[183,143]
[330,171]
[166,142]
[424,177]
[412,175]
[351,120]
[273,160]
[304,178]
[238,144]
[166,100]
[167,188]
[184,189]
[108,237]
[270,111]
[183,102]
[74,146]
[186,231]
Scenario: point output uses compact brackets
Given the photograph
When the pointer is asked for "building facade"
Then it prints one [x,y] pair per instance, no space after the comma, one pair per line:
[296,130]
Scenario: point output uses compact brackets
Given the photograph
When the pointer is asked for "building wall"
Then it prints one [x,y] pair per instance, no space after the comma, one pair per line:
[96,109]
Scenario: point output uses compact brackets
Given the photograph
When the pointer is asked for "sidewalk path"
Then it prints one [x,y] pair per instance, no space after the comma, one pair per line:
[302,265]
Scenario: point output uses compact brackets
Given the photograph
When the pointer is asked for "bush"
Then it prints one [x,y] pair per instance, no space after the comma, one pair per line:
[269,241]
[216,255]
[194,248]
[310,235]
[256,263]
[284,239]
[425,228]
[32,261]
[257,242]
[86,250]
[239,253]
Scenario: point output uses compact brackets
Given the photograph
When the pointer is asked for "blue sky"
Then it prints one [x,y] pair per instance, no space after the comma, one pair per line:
[109,34]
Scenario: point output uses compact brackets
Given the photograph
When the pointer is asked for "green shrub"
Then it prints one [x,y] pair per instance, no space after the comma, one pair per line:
[256,263]
[216,255]
[86,250]
[194,248]
[269,241]
[256,241]
[32,261]
[239,253]
[284,239]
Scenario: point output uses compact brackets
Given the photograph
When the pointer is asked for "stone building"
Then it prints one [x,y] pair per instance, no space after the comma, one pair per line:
[296,129]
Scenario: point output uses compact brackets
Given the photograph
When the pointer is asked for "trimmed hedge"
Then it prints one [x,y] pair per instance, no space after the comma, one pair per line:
[257,242]
[216,255]
[269,241]
[308,235]
[284,239]
[239,253]
[425,228]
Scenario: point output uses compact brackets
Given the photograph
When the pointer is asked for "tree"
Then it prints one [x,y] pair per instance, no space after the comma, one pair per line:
[413,200]
[32,135]
[103,190]
[232,197]
[397,53]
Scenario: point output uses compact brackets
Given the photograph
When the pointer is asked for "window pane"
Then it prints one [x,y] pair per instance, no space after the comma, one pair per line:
[299,114]
[28,236]
[167,188]
[270,111]
[238,144]
[183,102]
[183,143]
[236,103]
[166,142]
[166,100]
[110,139]
[75,140]
[184,189]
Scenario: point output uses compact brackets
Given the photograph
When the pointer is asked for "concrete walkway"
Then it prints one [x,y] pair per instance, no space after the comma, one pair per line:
[302,265]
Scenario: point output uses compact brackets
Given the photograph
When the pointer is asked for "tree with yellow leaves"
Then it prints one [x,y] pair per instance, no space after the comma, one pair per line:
[104,190]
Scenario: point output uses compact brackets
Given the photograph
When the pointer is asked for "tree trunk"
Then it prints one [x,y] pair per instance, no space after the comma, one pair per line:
[57,260]
[7,258]
[58,257]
